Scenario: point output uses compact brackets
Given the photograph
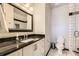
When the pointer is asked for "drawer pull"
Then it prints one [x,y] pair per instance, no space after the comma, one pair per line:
[35,47]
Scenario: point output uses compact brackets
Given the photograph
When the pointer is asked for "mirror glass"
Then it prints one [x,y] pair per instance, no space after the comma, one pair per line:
[23,21]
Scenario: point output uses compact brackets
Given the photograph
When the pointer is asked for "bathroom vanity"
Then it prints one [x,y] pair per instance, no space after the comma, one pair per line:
[18,37]
[34,47]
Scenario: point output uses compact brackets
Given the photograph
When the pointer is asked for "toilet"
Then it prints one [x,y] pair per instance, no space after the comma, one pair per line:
[60,45]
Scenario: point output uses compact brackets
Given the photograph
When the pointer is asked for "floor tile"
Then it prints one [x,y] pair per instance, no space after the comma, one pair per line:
[53,52]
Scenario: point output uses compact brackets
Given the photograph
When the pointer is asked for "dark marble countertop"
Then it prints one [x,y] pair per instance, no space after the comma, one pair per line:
[12,48]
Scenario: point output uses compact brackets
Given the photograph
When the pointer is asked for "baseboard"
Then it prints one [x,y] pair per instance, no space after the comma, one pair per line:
[65,49]
[48,50]
[76,52]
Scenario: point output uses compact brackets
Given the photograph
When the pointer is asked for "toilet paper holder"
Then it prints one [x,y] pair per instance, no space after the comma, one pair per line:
[76,33]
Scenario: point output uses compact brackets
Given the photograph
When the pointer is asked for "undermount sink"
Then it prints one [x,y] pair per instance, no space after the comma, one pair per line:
[29,40]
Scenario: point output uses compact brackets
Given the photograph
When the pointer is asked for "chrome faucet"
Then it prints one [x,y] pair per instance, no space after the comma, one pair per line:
[17,41]
[25,37]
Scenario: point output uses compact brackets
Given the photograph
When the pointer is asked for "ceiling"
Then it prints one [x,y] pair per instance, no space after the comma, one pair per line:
[53,5]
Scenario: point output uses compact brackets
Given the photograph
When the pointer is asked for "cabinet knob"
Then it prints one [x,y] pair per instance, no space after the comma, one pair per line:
[35,47]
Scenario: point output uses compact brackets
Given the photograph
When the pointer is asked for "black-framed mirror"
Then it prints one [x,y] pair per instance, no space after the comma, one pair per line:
[23,21]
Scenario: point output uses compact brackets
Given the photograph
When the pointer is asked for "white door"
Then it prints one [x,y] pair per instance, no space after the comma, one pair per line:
[74,27]
[77,33]
[77,27]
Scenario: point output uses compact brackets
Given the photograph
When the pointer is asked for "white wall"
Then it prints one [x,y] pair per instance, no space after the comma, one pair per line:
[8,12]
[20,5]
[63,24]
[42,19]
[59,25]
[3,27]
[48,16]
[48,13]
[39,18]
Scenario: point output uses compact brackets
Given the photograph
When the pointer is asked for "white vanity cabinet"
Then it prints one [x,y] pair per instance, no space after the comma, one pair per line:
[39,51]
[28,50]
[35,49]
[16,53]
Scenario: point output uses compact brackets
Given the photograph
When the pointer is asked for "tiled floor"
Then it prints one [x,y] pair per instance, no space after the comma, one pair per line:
[65,53]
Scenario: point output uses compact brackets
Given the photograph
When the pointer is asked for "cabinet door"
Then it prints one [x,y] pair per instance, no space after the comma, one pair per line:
[28,50]
[41,44]
[16,53]
[46,46]
[35,49]
[39,48]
